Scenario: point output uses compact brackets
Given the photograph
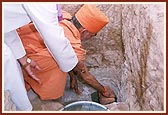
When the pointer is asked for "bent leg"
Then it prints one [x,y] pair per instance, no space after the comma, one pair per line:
[52,78]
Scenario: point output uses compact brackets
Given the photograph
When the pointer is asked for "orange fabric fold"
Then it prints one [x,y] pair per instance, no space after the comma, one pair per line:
[53,79]
[72,33]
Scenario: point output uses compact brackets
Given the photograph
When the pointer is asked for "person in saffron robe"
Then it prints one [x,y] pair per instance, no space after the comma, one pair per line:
[86,23]
[44,16]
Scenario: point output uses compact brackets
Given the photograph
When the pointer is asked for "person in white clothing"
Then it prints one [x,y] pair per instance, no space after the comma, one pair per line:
[14,82]
[44,18]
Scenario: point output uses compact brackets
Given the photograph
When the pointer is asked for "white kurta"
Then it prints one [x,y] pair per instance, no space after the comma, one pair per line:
[44,17]
[14,82]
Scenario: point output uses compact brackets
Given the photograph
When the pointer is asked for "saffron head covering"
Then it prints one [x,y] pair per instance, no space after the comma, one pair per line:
[91,18]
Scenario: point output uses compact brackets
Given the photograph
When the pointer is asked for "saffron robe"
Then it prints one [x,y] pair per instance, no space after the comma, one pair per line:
[52,77]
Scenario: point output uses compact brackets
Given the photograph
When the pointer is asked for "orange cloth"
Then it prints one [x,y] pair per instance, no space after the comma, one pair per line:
[53,79]
[72,33]
[91,18]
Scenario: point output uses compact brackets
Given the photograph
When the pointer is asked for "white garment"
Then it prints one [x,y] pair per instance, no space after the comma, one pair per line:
[46,21]
[44,17]
[14,82]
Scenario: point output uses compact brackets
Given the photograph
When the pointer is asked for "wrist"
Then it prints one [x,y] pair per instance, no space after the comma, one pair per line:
[22,60]
[105,91]
[25,61]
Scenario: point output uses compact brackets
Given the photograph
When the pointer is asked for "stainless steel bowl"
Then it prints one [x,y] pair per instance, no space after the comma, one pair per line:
[84,106]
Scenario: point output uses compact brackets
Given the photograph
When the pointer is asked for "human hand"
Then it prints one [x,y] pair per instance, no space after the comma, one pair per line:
[108,92]
[30,66]
[74,86]
[74,83]
[107,97]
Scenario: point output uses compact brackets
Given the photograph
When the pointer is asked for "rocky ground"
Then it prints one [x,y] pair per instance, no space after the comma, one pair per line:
[128,55]
[69,97]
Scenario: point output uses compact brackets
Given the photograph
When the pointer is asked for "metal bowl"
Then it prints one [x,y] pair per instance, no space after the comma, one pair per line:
[84,106]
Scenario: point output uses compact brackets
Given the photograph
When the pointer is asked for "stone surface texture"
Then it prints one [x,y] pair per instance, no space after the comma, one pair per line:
[8,104]
[127,55]
[143,70]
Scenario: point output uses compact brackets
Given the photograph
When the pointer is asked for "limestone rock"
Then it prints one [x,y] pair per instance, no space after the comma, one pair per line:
[127,55]
[120,106]
[8,104]
[52,106]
